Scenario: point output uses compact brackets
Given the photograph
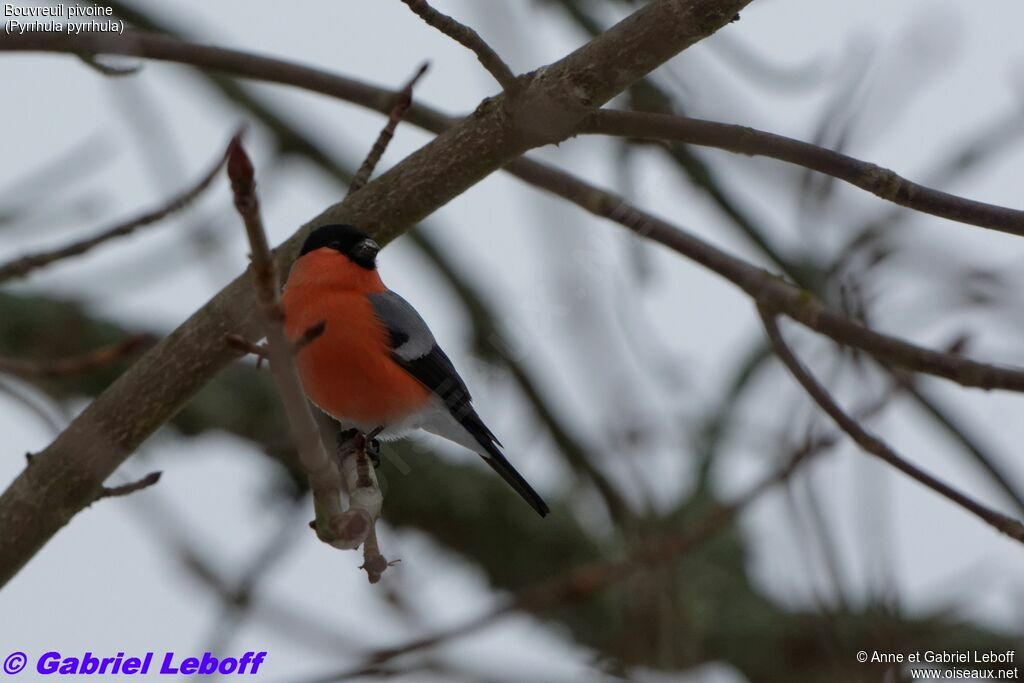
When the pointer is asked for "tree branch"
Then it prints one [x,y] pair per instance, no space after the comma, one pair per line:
[333,524]
[468,38]
[130,488]
[766,288]
[402,103]
[550,105]
[739,139]
[24,265]
[797,303]
[324,479]
[262,351]
[74,365]
[948,421]
[743,140]
[871,443]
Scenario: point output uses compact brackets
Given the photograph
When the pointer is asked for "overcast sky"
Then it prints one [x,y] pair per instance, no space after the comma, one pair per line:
[941,69]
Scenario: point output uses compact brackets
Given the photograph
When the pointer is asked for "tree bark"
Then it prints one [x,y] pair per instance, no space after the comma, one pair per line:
[64,478]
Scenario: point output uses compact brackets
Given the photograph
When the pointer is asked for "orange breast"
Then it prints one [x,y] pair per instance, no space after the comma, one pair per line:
[348,371]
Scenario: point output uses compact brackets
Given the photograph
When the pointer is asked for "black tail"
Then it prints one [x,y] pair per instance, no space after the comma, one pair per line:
[476,427]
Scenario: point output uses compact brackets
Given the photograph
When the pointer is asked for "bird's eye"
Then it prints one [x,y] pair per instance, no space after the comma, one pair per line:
[335,245]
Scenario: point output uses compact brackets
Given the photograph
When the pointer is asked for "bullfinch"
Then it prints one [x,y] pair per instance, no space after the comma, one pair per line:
[376,364]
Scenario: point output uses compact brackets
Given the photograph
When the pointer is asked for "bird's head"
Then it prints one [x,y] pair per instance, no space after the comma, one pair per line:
[340,257]
[346,240]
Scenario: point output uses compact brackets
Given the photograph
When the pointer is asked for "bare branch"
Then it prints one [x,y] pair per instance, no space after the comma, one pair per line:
[21,267]
[468,38]
[365,500]
[239,343]
[874,445]
[796,303]
[262,351]
[333,524]
[65,475]
[324,479]
[128,489]
[743,140]
[768,289]
[74,365]
[739,139]
[402,103]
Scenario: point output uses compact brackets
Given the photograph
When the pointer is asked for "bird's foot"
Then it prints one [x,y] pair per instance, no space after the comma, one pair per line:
[373,452]
[346,435]
[350,440]
[373,446]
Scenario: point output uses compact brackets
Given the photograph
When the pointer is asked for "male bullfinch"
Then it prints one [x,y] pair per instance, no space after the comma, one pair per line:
[376,363]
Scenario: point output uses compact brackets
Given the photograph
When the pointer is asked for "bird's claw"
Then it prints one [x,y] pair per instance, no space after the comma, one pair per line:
[346,435]
[373,452]
[371,445]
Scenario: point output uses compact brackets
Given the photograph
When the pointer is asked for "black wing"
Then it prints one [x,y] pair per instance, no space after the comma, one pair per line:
[413,347]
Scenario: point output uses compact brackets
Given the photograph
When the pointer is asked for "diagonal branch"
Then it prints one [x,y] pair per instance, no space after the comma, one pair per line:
[468,38]
[739,139]
[743,140]
[795,302]
[65,476]
[24,265]
[766,288]
[402,103]
[958,432]
[874,445]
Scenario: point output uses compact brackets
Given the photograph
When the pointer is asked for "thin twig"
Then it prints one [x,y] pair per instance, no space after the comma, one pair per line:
[127,489]
[586,580]
[468,38]
[22,266]
[333,524]
[374,563]
[262,351]
[75,365]
[365,501]
[324,478]
[948,420]
[743,140]
[240,343]
[874,445]
[402,103]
